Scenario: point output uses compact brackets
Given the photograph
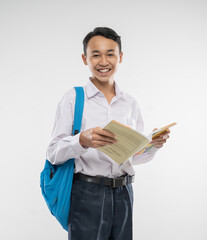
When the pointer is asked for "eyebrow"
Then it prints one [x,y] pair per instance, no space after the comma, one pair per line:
[109,50]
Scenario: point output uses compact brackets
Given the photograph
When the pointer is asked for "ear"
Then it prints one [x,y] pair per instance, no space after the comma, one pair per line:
[120,57]
[84,59]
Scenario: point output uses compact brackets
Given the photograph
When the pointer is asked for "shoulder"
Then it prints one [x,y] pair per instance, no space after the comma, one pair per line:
[68,98]
[70,94]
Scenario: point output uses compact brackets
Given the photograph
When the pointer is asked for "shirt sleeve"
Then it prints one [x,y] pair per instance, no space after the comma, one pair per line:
[149,155]
[63,145]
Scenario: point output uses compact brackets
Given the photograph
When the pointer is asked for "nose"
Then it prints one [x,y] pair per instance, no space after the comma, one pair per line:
[103,61]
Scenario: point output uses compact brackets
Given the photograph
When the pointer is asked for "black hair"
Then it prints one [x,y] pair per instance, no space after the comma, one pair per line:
[102,31]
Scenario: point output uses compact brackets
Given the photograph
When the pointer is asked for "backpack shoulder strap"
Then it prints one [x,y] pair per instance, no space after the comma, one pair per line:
[79,105]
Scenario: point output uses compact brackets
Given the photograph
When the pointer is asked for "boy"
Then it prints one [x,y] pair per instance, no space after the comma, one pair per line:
[102,194]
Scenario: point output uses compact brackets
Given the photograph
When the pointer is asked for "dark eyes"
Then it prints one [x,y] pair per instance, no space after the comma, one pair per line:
[110,55]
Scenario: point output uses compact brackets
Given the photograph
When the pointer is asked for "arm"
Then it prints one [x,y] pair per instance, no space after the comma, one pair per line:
[63,145]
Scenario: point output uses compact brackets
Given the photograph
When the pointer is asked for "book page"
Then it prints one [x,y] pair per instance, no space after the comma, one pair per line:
[129,142]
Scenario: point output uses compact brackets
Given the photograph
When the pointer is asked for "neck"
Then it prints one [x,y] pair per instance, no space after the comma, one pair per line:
[104,87]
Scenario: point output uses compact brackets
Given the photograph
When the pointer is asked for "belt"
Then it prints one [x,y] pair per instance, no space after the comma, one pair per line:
[111,182]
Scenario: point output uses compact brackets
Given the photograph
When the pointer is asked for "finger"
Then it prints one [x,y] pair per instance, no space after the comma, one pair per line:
[160,137]
[164,137]
[159,146]
[165,133]
[97,137]
[98,143]
[158,141]
[105,132]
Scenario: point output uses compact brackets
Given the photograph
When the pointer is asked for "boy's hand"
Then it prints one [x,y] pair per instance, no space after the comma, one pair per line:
[96,137]
[160,140]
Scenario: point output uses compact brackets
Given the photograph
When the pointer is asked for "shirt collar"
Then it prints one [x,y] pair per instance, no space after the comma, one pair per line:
[91,89]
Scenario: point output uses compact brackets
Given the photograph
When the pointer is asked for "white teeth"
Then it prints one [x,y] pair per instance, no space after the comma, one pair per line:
[103,70]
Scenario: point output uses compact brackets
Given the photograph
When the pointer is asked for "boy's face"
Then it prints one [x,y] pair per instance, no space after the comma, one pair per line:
[102,58]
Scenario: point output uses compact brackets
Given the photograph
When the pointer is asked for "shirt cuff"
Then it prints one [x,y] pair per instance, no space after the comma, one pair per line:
[77,147]
[154,149]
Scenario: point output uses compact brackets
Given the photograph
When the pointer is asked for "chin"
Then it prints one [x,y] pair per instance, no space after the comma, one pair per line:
[103,79]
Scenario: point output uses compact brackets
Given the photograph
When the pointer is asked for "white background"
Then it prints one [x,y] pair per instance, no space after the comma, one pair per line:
[164,68]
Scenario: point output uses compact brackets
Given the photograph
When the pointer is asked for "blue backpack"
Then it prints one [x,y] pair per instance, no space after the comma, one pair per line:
[56,180]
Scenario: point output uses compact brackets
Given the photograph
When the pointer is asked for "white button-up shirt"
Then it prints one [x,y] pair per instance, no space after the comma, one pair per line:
[97,113]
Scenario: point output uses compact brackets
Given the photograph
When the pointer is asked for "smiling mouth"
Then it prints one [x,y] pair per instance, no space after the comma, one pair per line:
[104,70]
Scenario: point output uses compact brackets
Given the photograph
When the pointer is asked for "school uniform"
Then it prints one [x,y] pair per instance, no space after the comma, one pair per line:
[102,194]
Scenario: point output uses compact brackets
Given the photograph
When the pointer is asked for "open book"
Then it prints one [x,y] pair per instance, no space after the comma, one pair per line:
[129,141]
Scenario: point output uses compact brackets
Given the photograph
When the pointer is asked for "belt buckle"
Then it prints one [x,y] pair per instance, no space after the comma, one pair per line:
[115,182]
